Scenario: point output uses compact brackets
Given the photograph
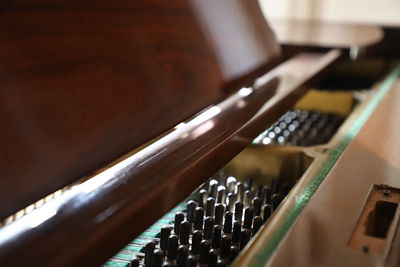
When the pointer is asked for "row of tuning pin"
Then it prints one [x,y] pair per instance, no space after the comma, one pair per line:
[219,222]
[302,128]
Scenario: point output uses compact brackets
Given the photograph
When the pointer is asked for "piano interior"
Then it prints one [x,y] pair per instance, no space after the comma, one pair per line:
[291,159]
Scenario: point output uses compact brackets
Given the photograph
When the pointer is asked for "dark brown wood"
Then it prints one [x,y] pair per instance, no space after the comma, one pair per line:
[93,221]
[83,82]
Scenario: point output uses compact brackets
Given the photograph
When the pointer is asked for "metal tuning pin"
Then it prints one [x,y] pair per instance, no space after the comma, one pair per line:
[226,242]
[191,207]
[248,199]
[239,210]
[260,191]
[208,227]
[219,213]
[237,228]
[274,186]
[192,261]
[228,222]
[210,206]
[179,217]
[185,232]
[244,237]
[257,206]
[212,258]
[230,184]
[164,234]
[148,252]
[135,262]
[183,254]
[275,201]
[221,194]
[202,198]
[198,218]
[157,259]
[234,252]
[196,239]
[267,211]
[257,223]
[168,264]
[239,191]
[172,250]
[267,195]
[231,201]
[212,191]
[204,249]
[248,218]
[216,237]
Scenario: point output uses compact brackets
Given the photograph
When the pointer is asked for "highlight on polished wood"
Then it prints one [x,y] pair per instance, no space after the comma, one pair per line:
[184,133]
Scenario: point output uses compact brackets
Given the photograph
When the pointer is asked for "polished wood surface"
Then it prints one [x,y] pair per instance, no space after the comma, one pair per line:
[321,234]
[95,219]
[83,82]
[325,34]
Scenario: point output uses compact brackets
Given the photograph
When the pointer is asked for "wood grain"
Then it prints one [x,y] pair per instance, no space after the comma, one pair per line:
[83,82]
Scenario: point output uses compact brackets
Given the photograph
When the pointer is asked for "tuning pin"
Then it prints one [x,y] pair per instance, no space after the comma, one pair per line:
[257,206]
[165,233]
[222,263]
[260,191]
[274,186]
[135,262]
[179,217]
[267,212]
[248,218]
[192,261]
[216,238]
[168,264]
[228,222]
[212,258]
[248,199]
[219,213]
[237,228]
[225,246]
[275,201]
[234,252]
[196,239]
[172,247]
[202,198]
[191,207]
[231,201]
[157,259]
[198,218]
[257,223]
[185,232]
[245,237]
[249,183]
[212,191]
[204,249]
[183,254]
[239,191]
[210,207]
[267,195]
[239,210]
[221,194]
[148,252]
[230,184]
[208,227]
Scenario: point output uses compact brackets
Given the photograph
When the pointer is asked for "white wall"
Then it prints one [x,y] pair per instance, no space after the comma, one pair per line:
[383,12]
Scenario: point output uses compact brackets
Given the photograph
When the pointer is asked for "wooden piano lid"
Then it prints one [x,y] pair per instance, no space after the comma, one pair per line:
[83,82]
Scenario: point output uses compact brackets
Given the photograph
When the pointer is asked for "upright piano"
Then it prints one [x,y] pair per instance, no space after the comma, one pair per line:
[189,133]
